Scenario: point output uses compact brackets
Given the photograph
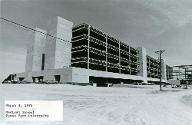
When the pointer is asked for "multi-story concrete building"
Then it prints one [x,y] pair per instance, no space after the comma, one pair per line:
[93,49]
[169,72]
[85,54]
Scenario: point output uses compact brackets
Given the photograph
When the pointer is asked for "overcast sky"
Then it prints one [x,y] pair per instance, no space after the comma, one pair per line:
[154,24]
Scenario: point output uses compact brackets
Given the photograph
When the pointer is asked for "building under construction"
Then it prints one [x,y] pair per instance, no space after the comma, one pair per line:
[93,49]
[85,54]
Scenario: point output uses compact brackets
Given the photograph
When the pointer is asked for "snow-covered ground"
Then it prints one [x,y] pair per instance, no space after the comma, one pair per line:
[87,105]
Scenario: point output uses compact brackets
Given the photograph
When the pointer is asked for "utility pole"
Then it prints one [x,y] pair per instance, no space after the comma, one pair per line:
[160,52]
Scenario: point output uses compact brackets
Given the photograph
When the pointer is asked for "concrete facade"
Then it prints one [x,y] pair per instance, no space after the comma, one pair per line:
[163,73]
[65,73]
[58,50]
[142,63]
[49,52]
[96,50]
[82,75]
[52,58]
[35,51]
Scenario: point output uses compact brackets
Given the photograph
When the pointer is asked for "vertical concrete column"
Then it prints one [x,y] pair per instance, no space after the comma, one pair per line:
[142,63]
[129,60]
[106,52]
[63,44]
[163,70]
[28,77]
[150,66]
[179,73]
[119,57]
[88,46]
[35,50]
[58,49]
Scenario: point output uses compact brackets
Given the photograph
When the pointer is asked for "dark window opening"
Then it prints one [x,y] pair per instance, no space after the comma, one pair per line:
[21,78]
[43,62]
[57,78]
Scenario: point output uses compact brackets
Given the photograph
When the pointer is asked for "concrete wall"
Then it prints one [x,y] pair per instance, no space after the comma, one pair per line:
[163,70]
[155,80]
[65,75]
[78,75]
[58,49]
[63,47]
[50,50]
[81,75]
[142,63]
[35,51]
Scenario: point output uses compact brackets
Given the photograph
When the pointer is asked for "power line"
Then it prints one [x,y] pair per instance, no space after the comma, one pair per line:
[32,29]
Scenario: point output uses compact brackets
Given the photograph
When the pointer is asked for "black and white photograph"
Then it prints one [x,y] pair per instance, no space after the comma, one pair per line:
[95,62]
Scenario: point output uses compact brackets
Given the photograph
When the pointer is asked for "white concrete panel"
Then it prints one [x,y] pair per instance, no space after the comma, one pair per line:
[65,74]
[63,47]
[29,61]
[62,54]
[79,73]
[155,80]
[142,63]
[58,50]
[23,74]
[50,53]
[163,70]
[64,28]
[79,78]
[35,51]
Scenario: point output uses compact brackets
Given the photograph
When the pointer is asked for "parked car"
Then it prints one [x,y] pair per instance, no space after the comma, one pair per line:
[50,82]
[24,82]
[8,81]
[110,84]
